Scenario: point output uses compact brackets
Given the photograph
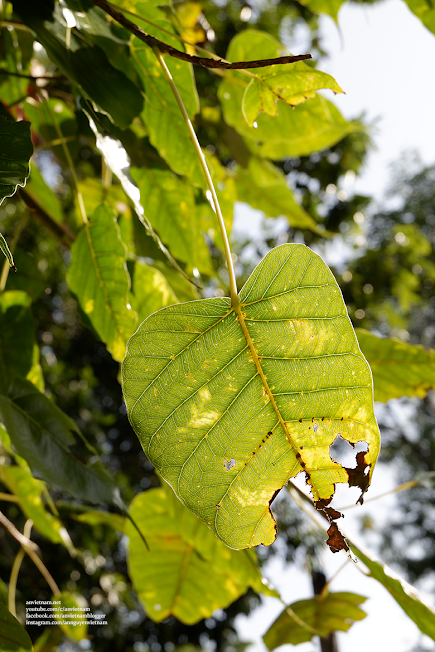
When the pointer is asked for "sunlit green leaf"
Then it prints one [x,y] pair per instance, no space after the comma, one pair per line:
[68,614]
[162,116]
[43,435]
[329,7]
[263,186]
[28,489]
[170,207]
[421,612]
[188,573]
[223,436]
[290,83]
[298,131]
[151,291]
[44,117]
[320,616]
[425,10]
[16,336]
[98,277]
[399,369]
[13,637]
[15,151]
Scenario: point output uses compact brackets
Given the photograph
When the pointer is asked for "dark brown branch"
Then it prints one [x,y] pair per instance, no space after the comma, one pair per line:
[61,231]
[9,73]
[198,61]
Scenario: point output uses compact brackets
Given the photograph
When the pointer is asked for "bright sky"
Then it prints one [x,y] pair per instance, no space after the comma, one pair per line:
[383,58]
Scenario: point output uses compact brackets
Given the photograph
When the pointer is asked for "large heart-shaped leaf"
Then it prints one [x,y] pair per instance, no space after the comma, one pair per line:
[188,572]
[230,407]
[319,616]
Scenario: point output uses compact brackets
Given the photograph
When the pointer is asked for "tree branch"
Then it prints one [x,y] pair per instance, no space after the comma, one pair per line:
[198,61]
[62,231]
[9,73]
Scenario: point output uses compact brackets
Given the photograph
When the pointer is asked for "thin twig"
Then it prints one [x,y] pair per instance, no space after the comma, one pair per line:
[9,498]
[70,162]
[31,549]
[164,48]
[401,487]
[233,284]
[16,569]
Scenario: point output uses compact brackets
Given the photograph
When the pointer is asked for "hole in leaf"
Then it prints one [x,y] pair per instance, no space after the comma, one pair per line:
[345,453]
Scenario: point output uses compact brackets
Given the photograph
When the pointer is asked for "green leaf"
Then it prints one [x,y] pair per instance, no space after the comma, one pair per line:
[225,438]
[170,207]
[302,620]
[310,127]
[98,517]
[68,614]
[43,435]
[98,277]
[421,612]
[28,489]
[398,369]
[167,130]
[188,573]
[264,187]
[90,68]
[28,277]
[15,151]
[13,637]
[151,291]
[425,10]
[329,7]
[297,131]
[16,337]
[291,83]
[42,195]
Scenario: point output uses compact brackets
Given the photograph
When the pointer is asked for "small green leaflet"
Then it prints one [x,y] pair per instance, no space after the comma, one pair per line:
[422,613]
[320,616]
[227,438]
[98,277]
[398,368]
[13,637]
[188,572]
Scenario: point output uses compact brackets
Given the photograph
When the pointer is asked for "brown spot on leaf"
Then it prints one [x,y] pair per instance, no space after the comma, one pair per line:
[336,540]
